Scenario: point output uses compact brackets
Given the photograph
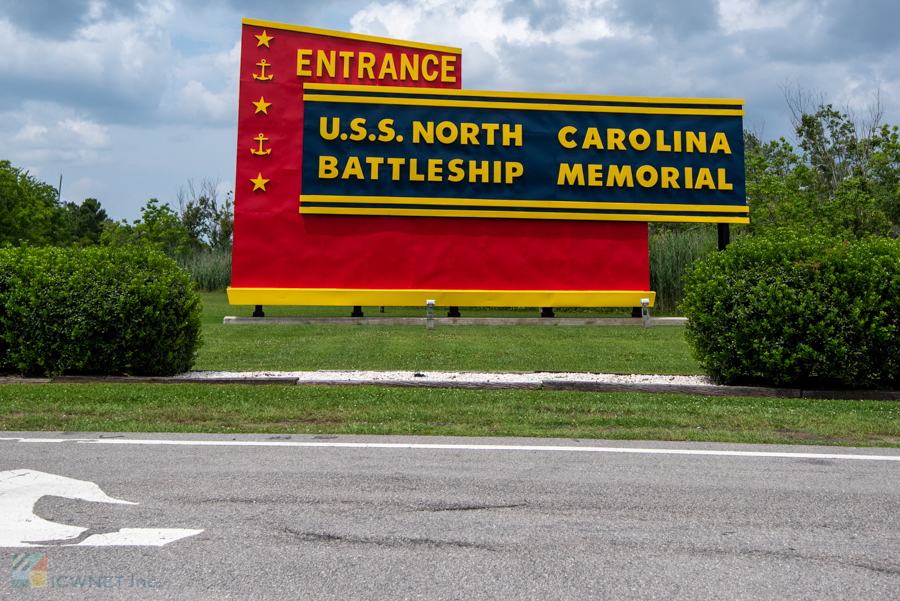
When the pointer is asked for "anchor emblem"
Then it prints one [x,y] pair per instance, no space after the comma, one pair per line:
[262,68]
[260,138]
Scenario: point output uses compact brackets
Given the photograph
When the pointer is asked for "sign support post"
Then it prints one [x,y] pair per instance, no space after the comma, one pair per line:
[724,235]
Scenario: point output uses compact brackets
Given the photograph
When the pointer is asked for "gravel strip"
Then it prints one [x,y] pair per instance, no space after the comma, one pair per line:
[455,376]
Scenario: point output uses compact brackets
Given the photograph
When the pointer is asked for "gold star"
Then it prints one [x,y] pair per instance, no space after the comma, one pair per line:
[263,39]
[262,105]
[259,183]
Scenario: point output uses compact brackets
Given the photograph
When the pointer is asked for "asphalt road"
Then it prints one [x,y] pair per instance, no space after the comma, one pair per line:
[576,520]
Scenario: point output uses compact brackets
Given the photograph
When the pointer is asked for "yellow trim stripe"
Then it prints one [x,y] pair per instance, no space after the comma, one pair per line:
[519,215]
[326,87]
[442,298]
[351,36]
[520,105]
[548,204]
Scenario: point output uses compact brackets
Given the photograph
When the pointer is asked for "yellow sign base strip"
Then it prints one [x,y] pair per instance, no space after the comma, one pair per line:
[507,214]
[442,298]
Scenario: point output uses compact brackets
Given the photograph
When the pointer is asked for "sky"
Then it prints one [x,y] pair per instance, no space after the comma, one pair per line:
[129,100]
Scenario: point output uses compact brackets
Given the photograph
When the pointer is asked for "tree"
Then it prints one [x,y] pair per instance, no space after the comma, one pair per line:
[85,222]
[159,228]
[29,209]
[209,224]
[845,182]
[885,174]
[777,183]
[841,144]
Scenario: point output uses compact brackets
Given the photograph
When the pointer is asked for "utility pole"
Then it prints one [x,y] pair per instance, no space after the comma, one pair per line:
[59,190]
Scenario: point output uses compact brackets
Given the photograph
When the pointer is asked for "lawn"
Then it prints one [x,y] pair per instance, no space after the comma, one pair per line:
[393,411]
[625,349]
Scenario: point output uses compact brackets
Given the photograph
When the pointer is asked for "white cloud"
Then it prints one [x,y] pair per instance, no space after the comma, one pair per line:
[744,15]
[195,100]
[462,22]
[107,60]
[74,140]
[30,133]
[95,10]
[209,92]
[89,133]
[489,35]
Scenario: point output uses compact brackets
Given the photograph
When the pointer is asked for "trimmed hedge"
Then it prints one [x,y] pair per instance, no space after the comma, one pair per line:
[790,309]
[96,310]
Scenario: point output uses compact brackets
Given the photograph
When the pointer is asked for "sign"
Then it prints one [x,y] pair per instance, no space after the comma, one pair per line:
[452,153]
[367,176]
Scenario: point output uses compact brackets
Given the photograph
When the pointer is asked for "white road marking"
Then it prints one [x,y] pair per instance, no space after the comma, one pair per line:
[460,447]
[148,537]
[20,527]
[20,490]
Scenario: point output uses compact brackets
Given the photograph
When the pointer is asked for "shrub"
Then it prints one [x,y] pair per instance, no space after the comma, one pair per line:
[792,309]
[96,310]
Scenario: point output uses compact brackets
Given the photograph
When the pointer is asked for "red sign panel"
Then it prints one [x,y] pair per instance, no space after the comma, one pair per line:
[283,257]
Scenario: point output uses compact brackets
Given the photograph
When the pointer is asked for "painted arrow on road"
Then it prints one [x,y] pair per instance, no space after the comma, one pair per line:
[20,527]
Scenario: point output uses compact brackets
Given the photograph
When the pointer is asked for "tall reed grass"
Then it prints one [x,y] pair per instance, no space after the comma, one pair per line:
[211,270]
[671,253]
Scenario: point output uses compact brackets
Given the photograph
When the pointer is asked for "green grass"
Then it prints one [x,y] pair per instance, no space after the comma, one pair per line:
[392,411]
[630,349]
[386,411]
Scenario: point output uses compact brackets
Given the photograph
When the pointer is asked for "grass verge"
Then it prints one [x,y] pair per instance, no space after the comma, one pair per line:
[627,349]
[443,412]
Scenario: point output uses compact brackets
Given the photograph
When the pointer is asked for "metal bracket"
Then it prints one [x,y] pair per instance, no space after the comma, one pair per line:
[645,312]
[429,315]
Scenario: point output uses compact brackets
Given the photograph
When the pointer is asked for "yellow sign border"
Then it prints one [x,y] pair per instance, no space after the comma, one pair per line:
[537,204]
[348,297]
[516,215]
[527,106]
[326,87]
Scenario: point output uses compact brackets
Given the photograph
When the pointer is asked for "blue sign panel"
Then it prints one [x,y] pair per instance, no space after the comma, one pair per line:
[458,153]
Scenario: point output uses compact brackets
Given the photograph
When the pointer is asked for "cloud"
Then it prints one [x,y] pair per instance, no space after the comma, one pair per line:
[209,92]
[111,64]
[88,133]
[693,48]
[79,141]
[195,100]
[139,95]
[486,22]
[48,20]
[750,15]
